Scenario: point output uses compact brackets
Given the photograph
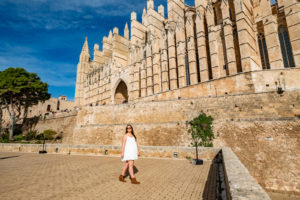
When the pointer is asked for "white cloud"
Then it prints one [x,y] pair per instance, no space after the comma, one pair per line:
[51,72]
[66,14]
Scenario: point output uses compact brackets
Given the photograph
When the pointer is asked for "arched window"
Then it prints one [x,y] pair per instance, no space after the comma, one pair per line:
[285,47]
[263,51]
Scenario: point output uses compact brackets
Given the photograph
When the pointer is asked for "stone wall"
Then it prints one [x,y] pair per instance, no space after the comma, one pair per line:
[49,107]
[62,123]
[243,83]
[268,148]
[262,129]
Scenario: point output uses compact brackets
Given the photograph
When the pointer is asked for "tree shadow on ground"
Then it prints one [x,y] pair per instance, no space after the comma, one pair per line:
[8,157]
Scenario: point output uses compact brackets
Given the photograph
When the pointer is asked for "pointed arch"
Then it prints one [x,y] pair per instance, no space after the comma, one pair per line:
[121,92]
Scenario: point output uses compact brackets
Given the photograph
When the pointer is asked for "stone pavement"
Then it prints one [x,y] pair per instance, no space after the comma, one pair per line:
[34,176]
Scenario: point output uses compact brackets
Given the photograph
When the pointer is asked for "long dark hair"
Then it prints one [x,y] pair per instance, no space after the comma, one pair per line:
[132,132]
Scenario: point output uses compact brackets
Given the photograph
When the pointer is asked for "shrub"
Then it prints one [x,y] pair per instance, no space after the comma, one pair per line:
[49,134]
[38,142]
[59,136]
[39,136]
[4,137]
[19,137]
[30,135]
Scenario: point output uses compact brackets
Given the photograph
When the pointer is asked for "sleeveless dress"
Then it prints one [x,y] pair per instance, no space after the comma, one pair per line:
[130,150]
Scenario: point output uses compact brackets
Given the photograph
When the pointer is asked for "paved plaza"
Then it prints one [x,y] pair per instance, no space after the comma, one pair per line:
[33,176]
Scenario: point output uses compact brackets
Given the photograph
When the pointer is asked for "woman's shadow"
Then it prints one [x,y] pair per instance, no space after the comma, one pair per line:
[135,170]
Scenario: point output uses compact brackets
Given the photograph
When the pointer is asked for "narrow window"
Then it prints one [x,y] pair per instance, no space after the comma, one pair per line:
[187,69]
[207,50]
[197,53]
[224,51]
[48,108]
[230,14]
[140,84]
[285,45]
[235,37]
[237,49]
[58,104]
[215,17]
[263,51]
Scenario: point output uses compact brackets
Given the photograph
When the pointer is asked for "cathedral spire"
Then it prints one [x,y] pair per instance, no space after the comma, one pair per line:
[150,4]
[144,17]
[85,53]
[126,31]
[85,48]
[110,35]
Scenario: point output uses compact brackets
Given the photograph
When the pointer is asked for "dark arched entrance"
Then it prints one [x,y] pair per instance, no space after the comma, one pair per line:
[121,94]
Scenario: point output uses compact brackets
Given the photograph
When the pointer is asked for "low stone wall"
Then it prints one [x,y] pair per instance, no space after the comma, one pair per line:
[145,151]
[241,184]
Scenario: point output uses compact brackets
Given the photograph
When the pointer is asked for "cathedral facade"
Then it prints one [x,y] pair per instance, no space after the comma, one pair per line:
[217,47]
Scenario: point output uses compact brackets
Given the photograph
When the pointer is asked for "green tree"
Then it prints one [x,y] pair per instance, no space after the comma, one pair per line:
[20,90]
[201,131]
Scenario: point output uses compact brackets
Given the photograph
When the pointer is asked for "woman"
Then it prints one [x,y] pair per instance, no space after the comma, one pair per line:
[130,152]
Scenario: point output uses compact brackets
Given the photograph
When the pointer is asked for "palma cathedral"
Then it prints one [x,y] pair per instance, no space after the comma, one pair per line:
[214,48]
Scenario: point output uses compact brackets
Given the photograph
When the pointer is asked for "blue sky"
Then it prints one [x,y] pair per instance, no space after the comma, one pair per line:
[46,36]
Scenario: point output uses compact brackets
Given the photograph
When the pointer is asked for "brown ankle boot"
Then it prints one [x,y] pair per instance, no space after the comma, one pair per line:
[134,181]
[121,178]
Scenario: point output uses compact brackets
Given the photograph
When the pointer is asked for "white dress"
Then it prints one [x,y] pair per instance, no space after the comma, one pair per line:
[130,150]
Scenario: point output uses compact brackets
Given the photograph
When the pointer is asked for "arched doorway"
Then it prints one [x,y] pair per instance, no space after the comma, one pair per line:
[121,94]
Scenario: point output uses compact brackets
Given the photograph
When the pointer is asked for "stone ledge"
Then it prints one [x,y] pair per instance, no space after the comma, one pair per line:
[241,184]
[205,153]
